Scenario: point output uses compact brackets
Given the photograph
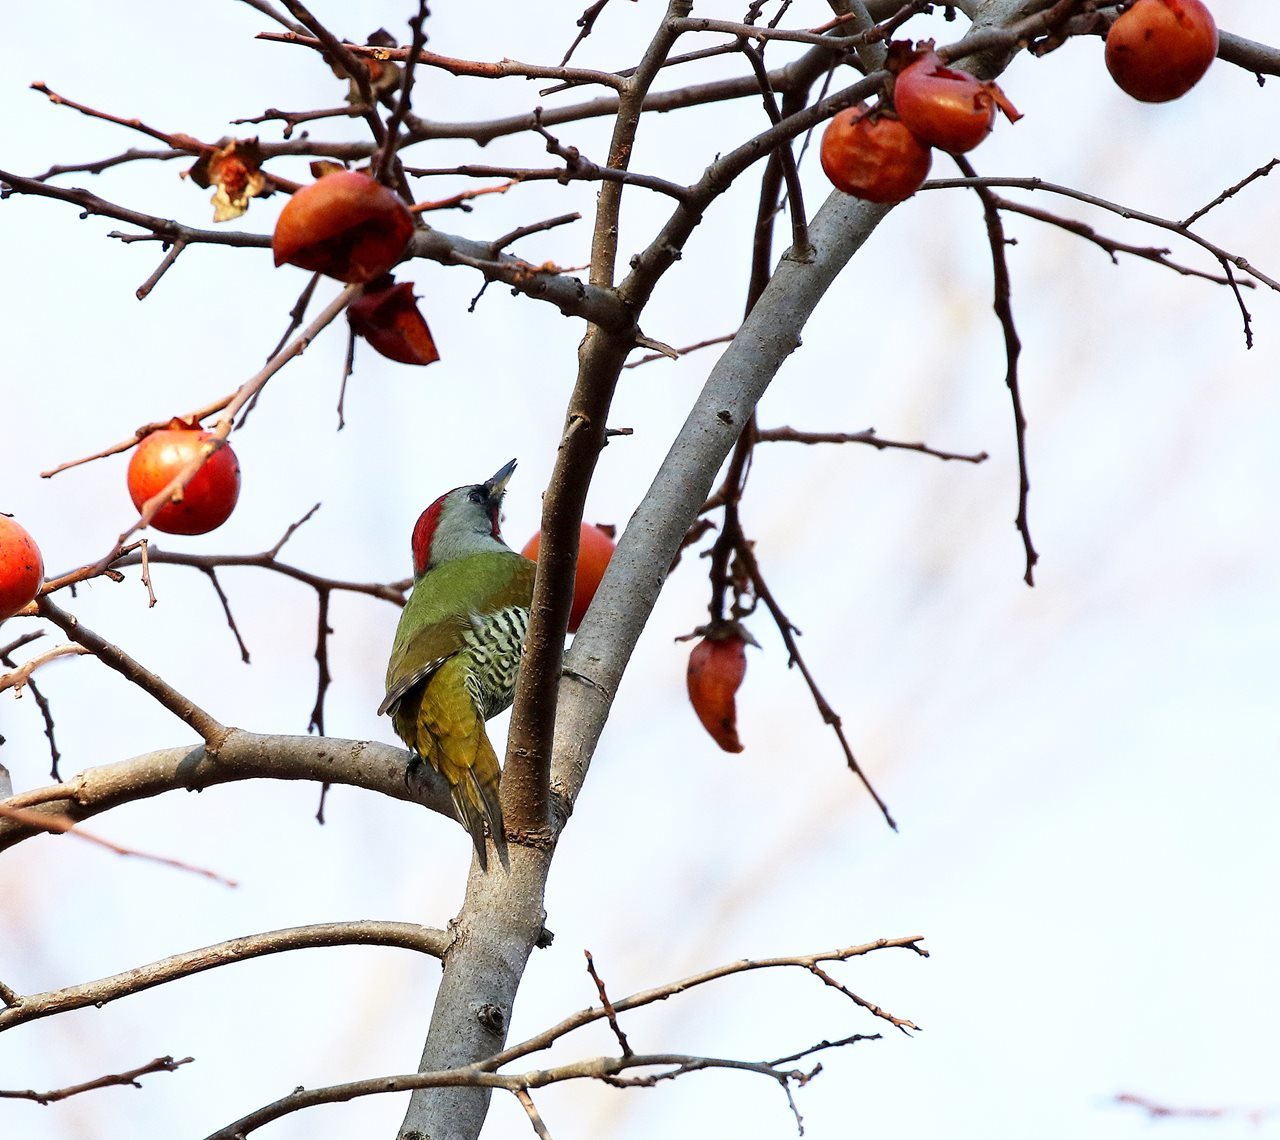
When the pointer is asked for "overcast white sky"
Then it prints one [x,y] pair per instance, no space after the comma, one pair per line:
[1085,774]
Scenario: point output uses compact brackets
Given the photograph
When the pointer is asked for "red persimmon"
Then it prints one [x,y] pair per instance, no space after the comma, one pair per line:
[345,225]
[21,567]
[207,501]
[1158,50]
[873,156]
[595,548]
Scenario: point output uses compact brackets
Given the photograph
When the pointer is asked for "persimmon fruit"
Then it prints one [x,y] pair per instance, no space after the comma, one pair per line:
[873,156]
[595,548]
[947,108]
[207,501]
[1158,50]
[717,666]
[21,567]
[345,225]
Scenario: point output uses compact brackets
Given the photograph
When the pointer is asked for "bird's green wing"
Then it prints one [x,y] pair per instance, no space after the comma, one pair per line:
[418,651]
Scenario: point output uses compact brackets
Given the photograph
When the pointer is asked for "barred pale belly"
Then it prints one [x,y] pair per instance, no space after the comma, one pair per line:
[493,652]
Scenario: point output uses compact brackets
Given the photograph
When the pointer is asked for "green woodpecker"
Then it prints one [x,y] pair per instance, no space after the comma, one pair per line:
[457,649]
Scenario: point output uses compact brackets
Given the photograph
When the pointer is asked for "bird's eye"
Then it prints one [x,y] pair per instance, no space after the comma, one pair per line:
[478,495]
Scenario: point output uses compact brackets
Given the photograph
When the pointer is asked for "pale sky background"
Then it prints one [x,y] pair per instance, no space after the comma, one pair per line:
[1085,774]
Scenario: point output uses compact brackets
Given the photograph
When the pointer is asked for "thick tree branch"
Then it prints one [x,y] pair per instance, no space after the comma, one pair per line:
[367,932]
[241,755]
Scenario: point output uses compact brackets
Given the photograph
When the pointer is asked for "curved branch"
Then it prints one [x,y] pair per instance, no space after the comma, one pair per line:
[241,755]
[571,296]
[159,1065]
[367,932]
[483,1075]
[115,658]
[1127,212]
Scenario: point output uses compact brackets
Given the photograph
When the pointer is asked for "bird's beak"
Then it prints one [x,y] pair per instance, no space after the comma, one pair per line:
[497,484]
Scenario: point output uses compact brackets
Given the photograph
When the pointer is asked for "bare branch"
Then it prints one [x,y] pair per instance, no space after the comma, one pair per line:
[367,932]
[788,632]
[241,755]
[41,703]
[341,55]
[1237,261]
[159,1065]
[609,1011]
[152,684]
[1230,192]
[177,141]
[483,1074]
[869,437]
[505,68]
[586,23]
[383,166]
[166,262]
[323,630]
[650,357]
[42,821]
[21,676]
[1003,306]
[522,1095]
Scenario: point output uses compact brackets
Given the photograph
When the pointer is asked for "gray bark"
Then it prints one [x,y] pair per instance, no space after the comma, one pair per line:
[502,915]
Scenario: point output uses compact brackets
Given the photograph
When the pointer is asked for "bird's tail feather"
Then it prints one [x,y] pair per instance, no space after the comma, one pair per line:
[475,798]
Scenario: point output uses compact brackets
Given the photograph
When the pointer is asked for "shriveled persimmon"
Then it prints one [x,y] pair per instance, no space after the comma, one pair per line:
[207,501]
[595,548]
[1158,50]
[717,666]
[945,107]
[345,225]
[873,156]
[387,316]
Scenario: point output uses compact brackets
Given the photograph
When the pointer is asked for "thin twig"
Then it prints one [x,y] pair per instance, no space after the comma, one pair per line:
[42,703]
[800,247]
[898,1022]
[176,140]
[522,1095]
[323,629]
[341,55]
[506,68]
[609,1011]
[484,1074]
[828,714]
[586,22]
[1158,255]
[1244,312]
[1219,254]
[501,243]
[383,166]
[43,821]
[869,437]
[20,677]
[212,575]
[145,430]
[150,283]
[824,1044]
[648,358]
[159,1065]
[1230,192]
[115,658]
[348,367]
[296,314]
[1003,305]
